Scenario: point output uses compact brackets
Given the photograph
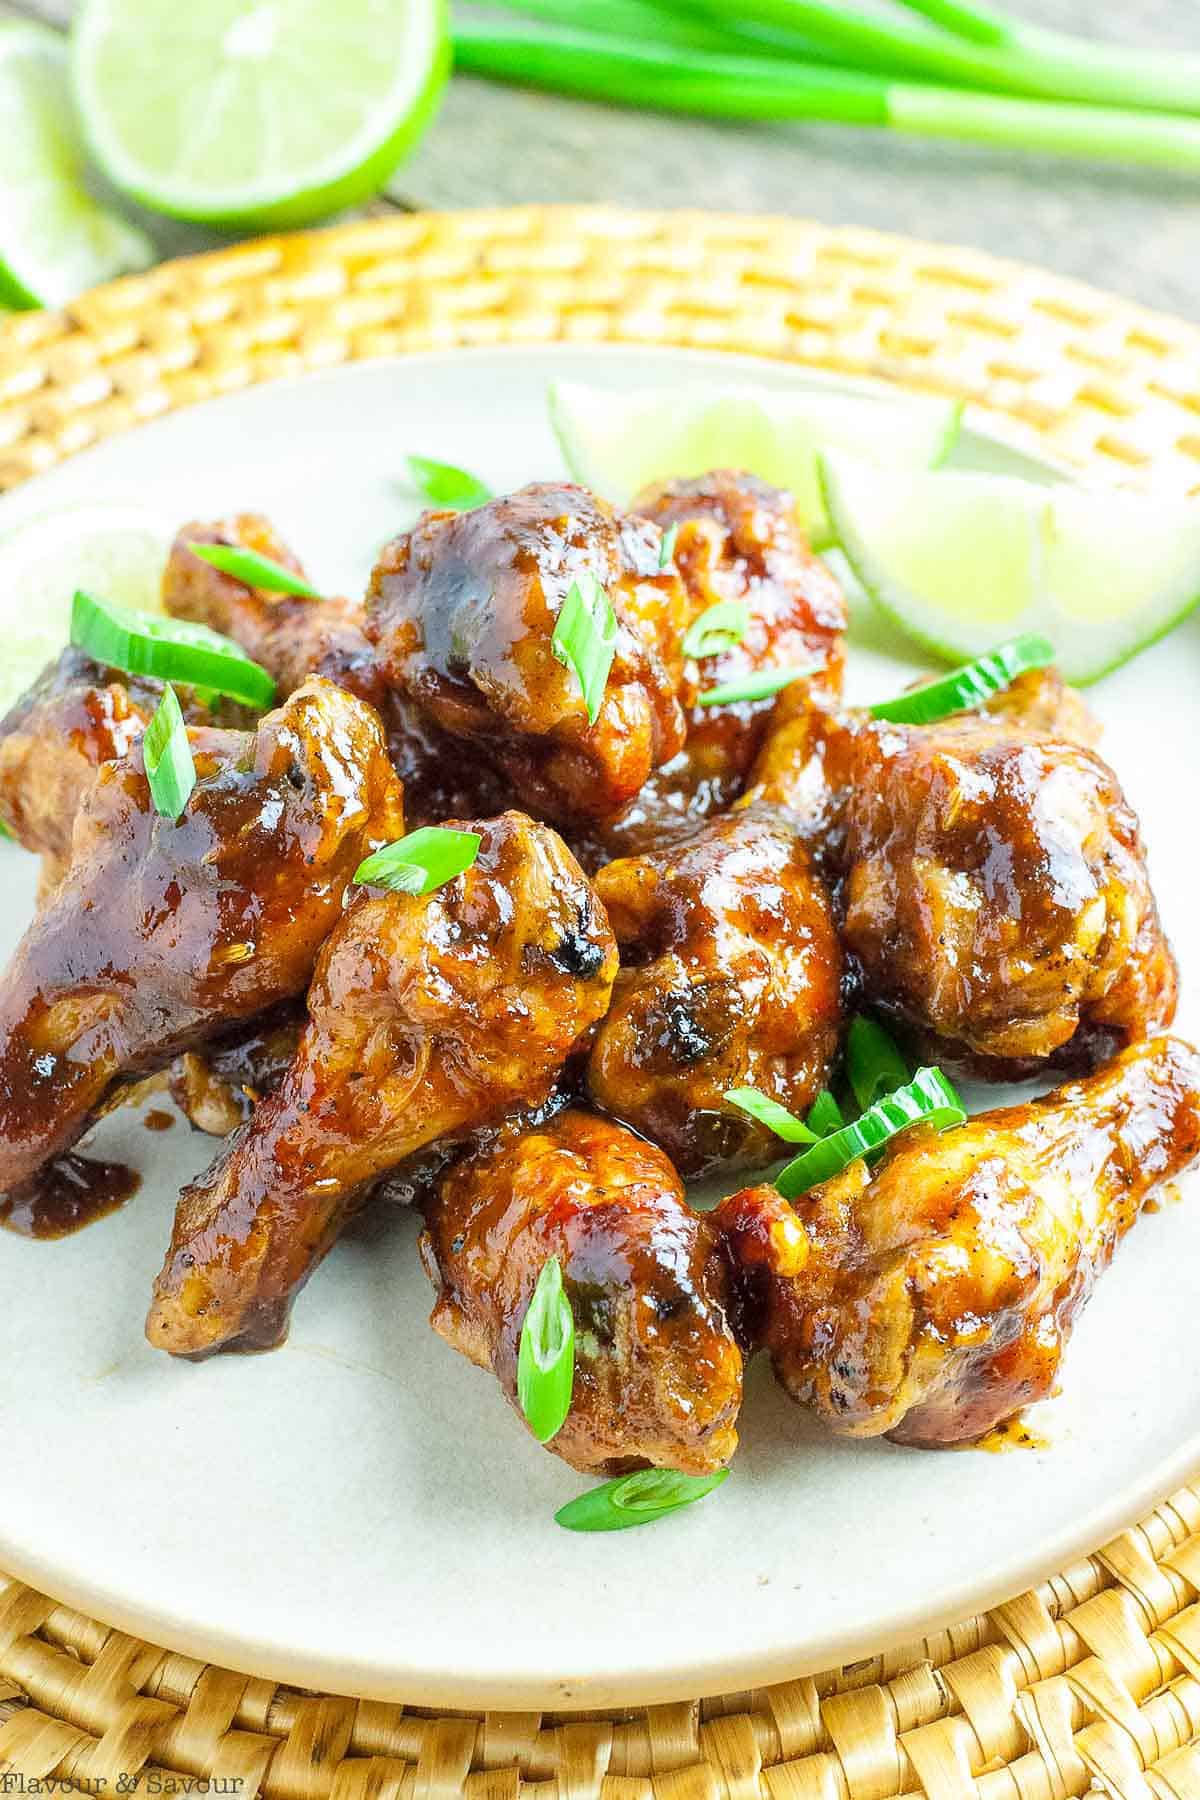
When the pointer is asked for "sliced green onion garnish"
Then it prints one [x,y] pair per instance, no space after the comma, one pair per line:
[874,1066]
[636,1499]
[546,1358]
[143,643]
[928,1099]
[768,1112]
[167,756]
[420,862]
[585,639]
[754,687]
[666,549]
[445,485]
[825,1115]
[5,832]
[719,627]
[255,570]
[968,686]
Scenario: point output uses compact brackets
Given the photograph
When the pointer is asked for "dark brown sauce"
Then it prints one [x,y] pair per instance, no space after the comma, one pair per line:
[158,1120]
[73,1191]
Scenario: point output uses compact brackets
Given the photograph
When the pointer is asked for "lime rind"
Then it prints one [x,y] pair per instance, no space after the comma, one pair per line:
[950,435]
[958,560]
[290,88]
[619,442]
[56,239]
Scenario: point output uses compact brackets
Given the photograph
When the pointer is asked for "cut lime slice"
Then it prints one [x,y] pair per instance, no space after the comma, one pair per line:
[55,239]
[256,112]
[112,549]
[959,561]
[618,443]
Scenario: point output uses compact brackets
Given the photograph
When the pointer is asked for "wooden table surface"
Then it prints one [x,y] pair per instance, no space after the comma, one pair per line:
[1135,231]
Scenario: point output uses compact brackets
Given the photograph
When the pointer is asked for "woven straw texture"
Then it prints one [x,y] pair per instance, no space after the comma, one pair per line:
[1093,1680]
[1099,383]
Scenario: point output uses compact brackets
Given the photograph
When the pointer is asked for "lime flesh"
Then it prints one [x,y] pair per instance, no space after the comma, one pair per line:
[110,549]
[618,443]
[273,113]
[55,239]
[959,561]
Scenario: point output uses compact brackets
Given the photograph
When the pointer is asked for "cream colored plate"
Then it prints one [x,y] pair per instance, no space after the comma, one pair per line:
[360,1511]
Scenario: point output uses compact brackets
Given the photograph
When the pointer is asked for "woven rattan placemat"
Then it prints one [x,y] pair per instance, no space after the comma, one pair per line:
[1091,1680]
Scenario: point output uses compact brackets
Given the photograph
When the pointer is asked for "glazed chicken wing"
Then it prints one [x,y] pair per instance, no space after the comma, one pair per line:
[731,975]
[738,539]
[992,881]
[658,1376]
[941,1289]
[164,933]
[291,635]
[463,608]
[428,1017]
[77,715]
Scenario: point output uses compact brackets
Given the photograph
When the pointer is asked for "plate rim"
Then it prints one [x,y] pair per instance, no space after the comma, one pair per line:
[706,1674]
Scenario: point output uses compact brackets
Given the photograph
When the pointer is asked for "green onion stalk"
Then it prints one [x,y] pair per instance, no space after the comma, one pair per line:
[655,22]
[758,88]
[969,685]
[982,48]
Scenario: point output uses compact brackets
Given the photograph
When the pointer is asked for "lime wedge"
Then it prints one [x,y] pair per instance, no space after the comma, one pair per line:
[959,560]
[256,112]
[55,239]
[115,550]
[617,443]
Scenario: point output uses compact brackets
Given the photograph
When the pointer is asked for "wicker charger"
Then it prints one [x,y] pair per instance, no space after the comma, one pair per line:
[1093,1679]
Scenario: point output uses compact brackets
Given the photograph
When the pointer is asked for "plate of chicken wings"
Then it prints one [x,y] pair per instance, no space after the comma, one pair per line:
[300,1110]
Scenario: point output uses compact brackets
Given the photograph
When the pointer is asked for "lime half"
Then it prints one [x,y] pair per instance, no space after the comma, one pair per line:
[617,443]
[959,561]
[256,112]
[55,239]
[111,549]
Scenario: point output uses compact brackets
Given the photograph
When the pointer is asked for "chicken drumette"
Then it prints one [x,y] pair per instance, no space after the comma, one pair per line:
[992,885]
[428,1017]
[80,714]
[658,1375]
[739,540]
[164,933]
[293,636]
[463,609]
[940,1289]
[76,716]
[731,977]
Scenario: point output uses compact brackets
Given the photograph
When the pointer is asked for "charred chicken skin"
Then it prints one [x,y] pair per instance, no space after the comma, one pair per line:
[738,539]
[992,883]
[428,1016]
[462,611]
[164,933]
[658,1375]
[731,977]
[941,1289]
